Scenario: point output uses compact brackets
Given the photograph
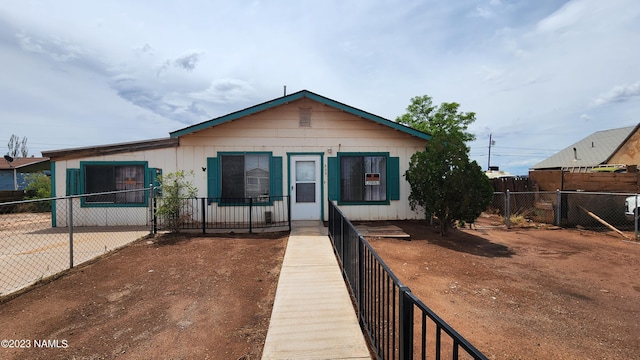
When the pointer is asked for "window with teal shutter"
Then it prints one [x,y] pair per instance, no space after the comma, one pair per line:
[237,176]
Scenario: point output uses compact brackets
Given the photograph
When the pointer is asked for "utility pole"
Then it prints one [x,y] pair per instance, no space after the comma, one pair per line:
[491,143]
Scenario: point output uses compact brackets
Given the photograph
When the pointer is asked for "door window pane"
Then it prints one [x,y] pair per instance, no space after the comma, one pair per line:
[305,170]
[305,192]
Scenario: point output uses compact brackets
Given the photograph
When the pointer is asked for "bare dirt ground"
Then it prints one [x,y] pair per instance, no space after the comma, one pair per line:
[178,297]
[526,293]
[515,294]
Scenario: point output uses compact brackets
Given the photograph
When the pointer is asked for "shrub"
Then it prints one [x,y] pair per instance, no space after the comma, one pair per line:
[175,189]
[38,187]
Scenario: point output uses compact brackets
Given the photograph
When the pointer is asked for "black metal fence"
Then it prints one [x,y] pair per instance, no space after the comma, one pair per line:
[398,324]
[205,214]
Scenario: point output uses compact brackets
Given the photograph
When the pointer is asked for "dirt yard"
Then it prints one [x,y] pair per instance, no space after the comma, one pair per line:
[526,293]
[173,298]
[515,294]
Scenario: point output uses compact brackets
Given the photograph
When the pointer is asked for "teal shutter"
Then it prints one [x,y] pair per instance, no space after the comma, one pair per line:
[394,178]
[276,176]
[154,175]
[333,177]
[213,179]
[73,182]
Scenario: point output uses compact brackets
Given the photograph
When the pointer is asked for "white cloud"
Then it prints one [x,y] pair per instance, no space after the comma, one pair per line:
[567,16]
[55,48]
[620,93]
[226,91]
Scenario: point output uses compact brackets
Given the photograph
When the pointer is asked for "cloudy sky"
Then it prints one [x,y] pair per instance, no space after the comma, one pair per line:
[540,75]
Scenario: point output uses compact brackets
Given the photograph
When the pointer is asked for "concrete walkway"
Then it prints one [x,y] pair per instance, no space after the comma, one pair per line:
[312,317]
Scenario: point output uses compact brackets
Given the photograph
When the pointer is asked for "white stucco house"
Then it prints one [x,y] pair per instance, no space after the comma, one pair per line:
[303,145]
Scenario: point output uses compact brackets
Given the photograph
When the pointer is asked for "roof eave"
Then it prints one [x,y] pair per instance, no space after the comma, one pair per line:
[110,149]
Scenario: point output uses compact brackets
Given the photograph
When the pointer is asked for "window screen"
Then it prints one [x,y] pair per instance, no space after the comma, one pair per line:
[363,178]
[109,178]
[245,176]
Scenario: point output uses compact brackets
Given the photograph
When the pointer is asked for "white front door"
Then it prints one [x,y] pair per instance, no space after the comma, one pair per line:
[305,187]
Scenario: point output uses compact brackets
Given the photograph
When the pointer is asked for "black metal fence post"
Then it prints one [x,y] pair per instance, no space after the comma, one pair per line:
[250,215]
[203,213]
[361,278]
[405,309]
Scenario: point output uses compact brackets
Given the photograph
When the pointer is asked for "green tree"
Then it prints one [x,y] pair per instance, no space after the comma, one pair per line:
[435,120]
[38,187]
[176,190]
[17,148]
[444,181]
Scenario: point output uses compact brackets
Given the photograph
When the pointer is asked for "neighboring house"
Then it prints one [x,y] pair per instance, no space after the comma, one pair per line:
[12,174]
[302,145]
[615,147]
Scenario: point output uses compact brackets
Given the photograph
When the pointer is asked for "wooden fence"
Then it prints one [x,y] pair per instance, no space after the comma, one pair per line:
[552,180]
[11,195]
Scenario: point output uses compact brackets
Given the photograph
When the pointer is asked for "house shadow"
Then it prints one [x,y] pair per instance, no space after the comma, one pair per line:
[172,238]
[455,239]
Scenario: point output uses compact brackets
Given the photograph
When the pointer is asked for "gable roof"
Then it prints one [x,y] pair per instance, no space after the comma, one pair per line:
[594,150]
[293,97]
[22,163]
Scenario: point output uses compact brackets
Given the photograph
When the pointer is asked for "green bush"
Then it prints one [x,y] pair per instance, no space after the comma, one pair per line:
[175,189]
[38,187]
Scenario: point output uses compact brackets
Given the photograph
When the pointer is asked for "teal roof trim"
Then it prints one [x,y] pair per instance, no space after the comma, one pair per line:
[293,97]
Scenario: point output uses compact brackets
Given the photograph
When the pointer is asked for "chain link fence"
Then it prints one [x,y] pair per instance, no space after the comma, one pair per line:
[588,210]
[41,238]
